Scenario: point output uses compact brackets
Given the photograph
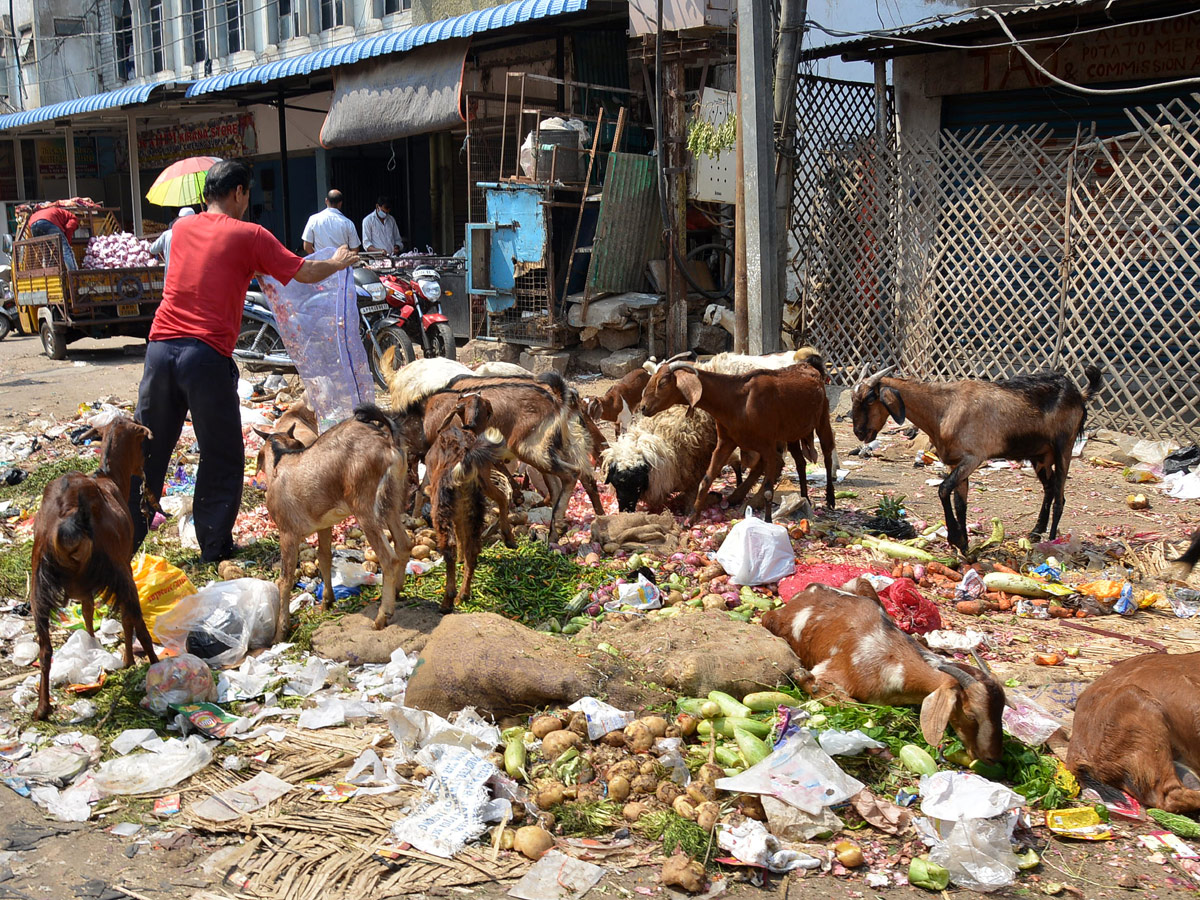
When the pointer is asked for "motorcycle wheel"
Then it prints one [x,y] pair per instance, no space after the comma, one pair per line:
[248,338]
[385,338]
[441,340]
[5,326]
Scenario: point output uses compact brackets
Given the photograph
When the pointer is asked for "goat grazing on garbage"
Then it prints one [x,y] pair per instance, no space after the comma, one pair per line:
[460,462]
[619,401]
[845,638]
[1034,417]
[358,468]
[1137,729]
[83,544]
[756,412]
[298,421]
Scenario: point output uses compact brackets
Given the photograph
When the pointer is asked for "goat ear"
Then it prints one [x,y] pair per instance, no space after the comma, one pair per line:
[147,434]
[446,421]
[893,403]
[689,386]
[935,713]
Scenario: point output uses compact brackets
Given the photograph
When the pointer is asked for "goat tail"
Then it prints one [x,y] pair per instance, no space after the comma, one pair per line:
[488,452]
[73,538]
[387,365]
[1094,377]
[370,414]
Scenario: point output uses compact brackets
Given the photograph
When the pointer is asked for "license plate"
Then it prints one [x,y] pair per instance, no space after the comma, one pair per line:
[127,309]
[368,310]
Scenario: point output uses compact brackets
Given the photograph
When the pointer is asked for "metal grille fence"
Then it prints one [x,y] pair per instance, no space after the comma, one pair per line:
[1004,250]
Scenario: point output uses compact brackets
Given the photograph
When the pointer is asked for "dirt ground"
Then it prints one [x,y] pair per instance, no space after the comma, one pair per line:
[40,857]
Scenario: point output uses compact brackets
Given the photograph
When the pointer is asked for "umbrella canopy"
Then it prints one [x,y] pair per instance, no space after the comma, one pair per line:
[181,183]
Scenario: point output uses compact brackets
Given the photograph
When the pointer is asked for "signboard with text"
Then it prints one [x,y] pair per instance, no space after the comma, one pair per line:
[52,158]
[229,137]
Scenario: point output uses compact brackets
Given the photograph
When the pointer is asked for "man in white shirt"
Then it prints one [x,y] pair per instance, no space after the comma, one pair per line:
[162,244]
[329,227]
[379,230]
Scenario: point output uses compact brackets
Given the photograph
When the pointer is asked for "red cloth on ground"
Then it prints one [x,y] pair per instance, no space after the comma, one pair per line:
[832,574]
[911,610]
[213,258]
[58,216]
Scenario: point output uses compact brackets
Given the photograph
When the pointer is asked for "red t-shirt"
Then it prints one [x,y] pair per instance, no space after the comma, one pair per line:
[213,258]
[58,216]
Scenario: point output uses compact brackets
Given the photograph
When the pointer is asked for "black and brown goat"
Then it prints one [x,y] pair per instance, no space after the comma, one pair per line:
[1034,417]
[83,543]
[460,463]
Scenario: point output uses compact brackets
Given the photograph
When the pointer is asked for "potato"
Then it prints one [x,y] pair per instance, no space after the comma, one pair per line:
[707,815]
[667,791]
[644,784]
[849,854]
[589,793]
[699,792]
[639,736]
[614,739]
[649,767]
[309,569]
[684,809]
[618,789]
[228,570]
[532,841]
[752,807]
[656,724]
[713,601]
[550,795]
[626,768]
[674,598]
[578,724]
[709,773]
[369,555]
[507,836]
[687,724]
[679,871]
[633,811]
[543,725]
[420,551]
[556,743]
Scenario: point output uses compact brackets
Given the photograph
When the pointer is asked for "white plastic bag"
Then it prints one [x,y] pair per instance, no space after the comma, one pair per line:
[643,594]
[756,552]
[799,773]
[177,680]
[222,622]
[969,829]
[149,773]
[80,661]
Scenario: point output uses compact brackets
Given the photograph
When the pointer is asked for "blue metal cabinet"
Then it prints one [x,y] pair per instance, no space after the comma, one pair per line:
[512,243]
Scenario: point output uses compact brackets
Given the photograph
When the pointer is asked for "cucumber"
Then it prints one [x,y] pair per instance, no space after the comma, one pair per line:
[573,628]
[742,616]
[730,706]
[514,752]
[727,757]
[917,760]
[691,705]
[724,726]
[752,749]
[767,701]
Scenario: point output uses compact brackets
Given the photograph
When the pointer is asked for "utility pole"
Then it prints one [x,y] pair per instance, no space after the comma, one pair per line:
[763,300]
[674,141]
[792,15]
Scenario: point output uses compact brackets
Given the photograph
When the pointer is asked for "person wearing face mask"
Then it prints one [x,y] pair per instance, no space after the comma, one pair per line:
[380,233]
[189,365]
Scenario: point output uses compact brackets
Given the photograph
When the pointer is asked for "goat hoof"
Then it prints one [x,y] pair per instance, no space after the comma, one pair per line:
[43,713]
[445,609]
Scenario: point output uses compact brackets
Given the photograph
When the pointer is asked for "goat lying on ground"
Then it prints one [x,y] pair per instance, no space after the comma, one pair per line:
[460,462]
[539,429]
[659,456]
[1034,417]
[82,545]
[1134,726]
[845,638]
[756,412]
[619,401]
[358,468]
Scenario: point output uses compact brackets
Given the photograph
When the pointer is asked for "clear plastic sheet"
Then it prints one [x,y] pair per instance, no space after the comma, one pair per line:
[319,326]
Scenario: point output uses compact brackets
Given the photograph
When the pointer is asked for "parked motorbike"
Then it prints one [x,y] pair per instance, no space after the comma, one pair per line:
[9,316]
[259,347]
[418,301]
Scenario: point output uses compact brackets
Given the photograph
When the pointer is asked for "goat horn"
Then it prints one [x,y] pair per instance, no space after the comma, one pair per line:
[963,678]
[873,381]
[681,364]
[981,665]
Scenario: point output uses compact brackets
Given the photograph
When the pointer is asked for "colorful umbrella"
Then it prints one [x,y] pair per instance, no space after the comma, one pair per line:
[181,183]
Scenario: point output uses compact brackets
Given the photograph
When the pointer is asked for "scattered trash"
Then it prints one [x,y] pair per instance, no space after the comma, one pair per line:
[177,680]
[152,773]
[557,876]
[1082,823]
[235,802]
[222,622]
[751,843]
[755,552]
[969,828]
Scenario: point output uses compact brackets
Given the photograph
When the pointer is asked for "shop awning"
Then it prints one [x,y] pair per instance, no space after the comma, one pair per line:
[400,41]
[385,99]
[127,96]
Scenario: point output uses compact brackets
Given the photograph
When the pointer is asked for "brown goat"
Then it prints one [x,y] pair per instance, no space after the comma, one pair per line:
[1034,417]
[846,639]
[756,412]
[298,421]
[539,430]
[1136,724]
[619,401]
[83,543]
[460,462]
[358,468]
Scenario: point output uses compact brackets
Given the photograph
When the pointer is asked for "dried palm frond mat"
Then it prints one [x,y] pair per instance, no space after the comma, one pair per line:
[301,848]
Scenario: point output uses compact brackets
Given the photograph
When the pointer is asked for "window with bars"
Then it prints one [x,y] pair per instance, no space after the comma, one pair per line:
[288,17]
[233,25]
[123,43]
[333,13]
[157,61]
[199,35]
[395,6]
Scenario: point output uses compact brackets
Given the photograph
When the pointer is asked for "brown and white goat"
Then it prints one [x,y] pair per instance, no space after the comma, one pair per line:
[539,429]
[1137,724]
[460,462]
[83,543]
[619,401]
[757,412]
[845,638]
[1034,417]
[358,468]
[298,421]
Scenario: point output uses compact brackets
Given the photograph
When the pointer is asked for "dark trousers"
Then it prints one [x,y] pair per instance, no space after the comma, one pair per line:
[42,227]
[181,375]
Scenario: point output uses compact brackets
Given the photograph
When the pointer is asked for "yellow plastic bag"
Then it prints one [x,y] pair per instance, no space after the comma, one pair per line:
[160,586]
[1102,590]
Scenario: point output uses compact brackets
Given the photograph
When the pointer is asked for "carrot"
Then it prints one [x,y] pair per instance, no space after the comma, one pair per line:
[897,571]
[994,597]
[1006,602]
[937,568]
[970,607]
[1082,613]
[1061,612]
[1000,567]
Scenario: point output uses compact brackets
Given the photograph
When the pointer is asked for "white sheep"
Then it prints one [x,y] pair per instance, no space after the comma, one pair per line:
[659,456]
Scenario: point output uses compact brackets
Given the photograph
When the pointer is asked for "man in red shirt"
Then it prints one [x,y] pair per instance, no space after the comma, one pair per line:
[189,365]
[56,220]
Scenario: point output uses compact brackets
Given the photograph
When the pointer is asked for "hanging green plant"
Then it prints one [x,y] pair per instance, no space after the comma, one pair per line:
[704,137]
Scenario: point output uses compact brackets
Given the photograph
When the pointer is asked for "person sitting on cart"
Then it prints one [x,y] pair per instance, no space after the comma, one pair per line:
[380,233]
[189,356]
[56,220]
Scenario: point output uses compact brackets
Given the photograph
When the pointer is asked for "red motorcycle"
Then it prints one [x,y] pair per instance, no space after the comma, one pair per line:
[418,301]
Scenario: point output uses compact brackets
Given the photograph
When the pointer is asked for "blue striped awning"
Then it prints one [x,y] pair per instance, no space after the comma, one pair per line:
[127,96]
[405,39]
